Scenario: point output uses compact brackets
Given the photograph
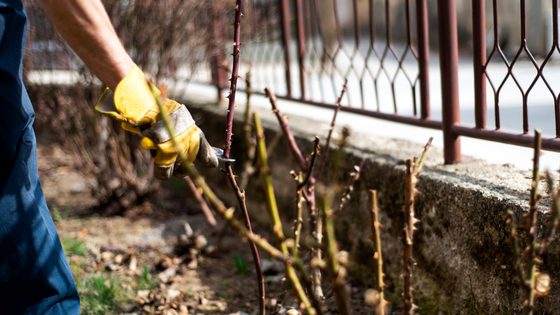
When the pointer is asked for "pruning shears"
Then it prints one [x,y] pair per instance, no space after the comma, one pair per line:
[220,155]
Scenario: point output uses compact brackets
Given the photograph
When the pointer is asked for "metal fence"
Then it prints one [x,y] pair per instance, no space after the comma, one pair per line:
[304,50]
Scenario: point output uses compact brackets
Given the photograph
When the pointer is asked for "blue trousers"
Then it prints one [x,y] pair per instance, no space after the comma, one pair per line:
[34,275]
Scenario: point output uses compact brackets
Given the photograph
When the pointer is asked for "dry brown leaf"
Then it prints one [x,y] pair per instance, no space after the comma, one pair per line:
[542,284]
[82,233]
[167,273]
[183,310]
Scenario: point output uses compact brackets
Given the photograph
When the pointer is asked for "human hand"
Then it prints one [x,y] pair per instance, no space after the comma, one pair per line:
[134,105]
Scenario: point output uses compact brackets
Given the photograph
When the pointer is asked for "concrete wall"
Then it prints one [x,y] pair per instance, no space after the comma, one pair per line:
[460,246]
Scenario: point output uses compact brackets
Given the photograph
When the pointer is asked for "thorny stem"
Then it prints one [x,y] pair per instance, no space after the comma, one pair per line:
[301,182]
[409,228]
[316,219]
[307,282]
[311,164]
[336,271]
[526,261]
[273,209]
[554,214]
[531,227]
[284,125]
[420,165]
[227,148]
[227,214]
[219,206]
[309,189]
[413,168]
[377,256]
[316,250]
[299,217]
[234,72]
[350,186]
[254,251]
[331,130]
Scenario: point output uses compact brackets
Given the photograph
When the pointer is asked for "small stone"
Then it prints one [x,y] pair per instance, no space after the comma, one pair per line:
[106,256]
[271,267]
[188,230]
[170,311]
[200,242]
[211,251]
[143,294]
[293,312]
[118,259]
[504,266]
[183,310]
[78,187]
[172,295]
[202,301]
[133,263]
[271,303]
[193,264]
[184,241]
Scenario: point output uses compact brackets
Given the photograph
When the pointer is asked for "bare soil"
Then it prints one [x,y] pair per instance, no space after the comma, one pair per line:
[186,280]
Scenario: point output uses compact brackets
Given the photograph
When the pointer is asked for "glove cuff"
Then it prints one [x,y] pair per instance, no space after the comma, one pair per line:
[132,101]
[180,119]
[133,97]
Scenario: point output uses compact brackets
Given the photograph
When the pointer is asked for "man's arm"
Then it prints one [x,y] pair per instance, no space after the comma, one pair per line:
[88,30]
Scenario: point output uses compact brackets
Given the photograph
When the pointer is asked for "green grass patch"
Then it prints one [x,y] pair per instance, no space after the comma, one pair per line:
[75,246]
[58,217]
[240,263]
[99,295]
[146,281]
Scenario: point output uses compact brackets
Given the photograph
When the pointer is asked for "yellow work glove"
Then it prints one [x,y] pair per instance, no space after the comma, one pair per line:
[134,105]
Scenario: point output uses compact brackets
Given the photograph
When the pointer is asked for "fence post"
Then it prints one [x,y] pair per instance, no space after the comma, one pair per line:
[423,57]
[301,44]
[449,63]
[479,60]
[285,26]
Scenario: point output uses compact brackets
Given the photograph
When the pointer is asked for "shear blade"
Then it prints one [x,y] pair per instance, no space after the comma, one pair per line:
[220,155]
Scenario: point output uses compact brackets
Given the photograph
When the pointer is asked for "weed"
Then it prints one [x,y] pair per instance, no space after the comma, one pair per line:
[99,295]
[57,216]
[75,246]
[146,281]
[240,263]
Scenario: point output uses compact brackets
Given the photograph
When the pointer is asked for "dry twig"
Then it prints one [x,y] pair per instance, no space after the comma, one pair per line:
[198,196]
